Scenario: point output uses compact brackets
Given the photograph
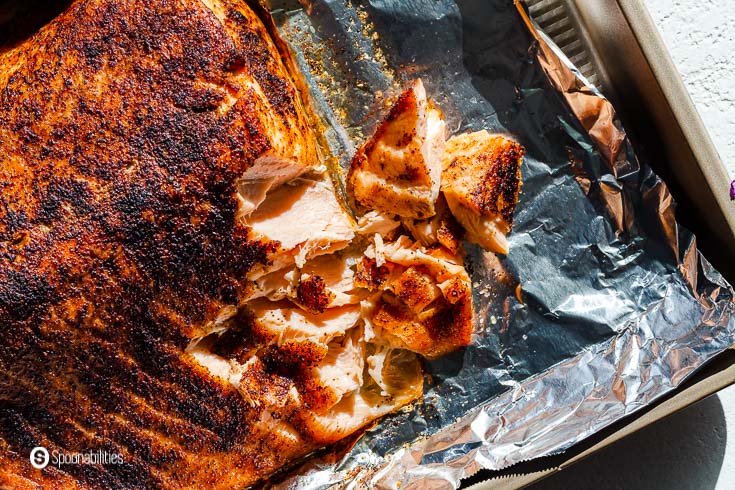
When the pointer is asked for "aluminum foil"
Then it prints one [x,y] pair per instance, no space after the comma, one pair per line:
[618,306]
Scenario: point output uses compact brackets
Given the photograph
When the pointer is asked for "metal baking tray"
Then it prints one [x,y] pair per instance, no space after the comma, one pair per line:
[617,47]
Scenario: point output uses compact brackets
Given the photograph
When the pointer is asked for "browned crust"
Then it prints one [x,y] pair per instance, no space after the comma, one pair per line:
[414,288]
[406,102]
[312,294]
[447,329]
[450,234]
[497,187]
[368,275]
[413,174]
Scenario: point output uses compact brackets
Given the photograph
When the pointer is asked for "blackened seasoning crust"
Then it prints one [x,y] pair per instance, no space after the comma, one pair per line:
[124,125]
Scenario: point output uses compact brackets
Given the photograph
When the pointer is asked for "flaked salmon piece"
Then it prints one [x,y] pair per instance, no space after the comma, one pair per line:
[441,263]
[424,302]
[398,170]
[481,179]
[442,228]
[328,400]
[302,219]
[401,374]
[226,370]
[374,222]
[269,393]
[278,427]
[264,388]
[388,368]
[442,328]
[282,321]
[335,272]
[308,291]
[354,412]
[266,174]
[415,288]
[341,371]
[324,282]
[336,269]
[369,275]
[275,286]
[312,293]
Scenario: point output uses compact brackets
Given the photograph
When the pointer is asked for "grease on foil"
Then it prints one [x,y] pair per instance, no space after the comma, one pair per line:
[617,305]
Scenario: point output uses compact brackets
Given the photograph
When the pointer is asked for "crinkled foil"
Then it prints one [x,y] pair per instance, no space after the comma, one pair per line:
[618,306]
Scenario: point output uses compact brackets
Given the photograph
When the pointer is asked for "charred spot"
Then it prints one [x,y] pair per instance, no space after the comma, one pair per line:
[498,191]
[369,275]
[410,175]
[239,338]
[199,100]
[24,293]
[279,92]
[28,136]
[312,294]
[236,61]
[260,383]
[15,427]
[413,287]
[74,194]
[405,102]
[125,217]
[450,233]
[14,221]
[293,358]
[91,53]
[229,291]
[406,138]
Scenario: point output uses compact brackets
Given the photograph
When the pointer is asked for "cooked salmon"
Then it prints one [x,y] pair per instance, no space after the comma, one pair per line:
[324,282]
[442,228]
[398,170]
[374,222]
[423,301]
[156,156]
[298,221]
[481,179]
[179,283]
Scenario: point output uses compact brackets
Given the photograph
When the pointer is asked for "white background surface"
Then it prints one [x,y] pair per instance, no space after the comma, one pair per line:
[694,449]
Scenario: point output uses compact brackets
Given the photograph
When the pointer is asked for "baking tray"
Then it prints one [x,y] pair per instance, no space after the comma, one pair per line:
[617,47]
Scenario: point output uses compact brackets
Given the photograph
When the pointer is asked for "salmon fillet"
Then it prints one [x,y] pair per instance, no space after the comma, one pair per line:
[143,148]
[179,283]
